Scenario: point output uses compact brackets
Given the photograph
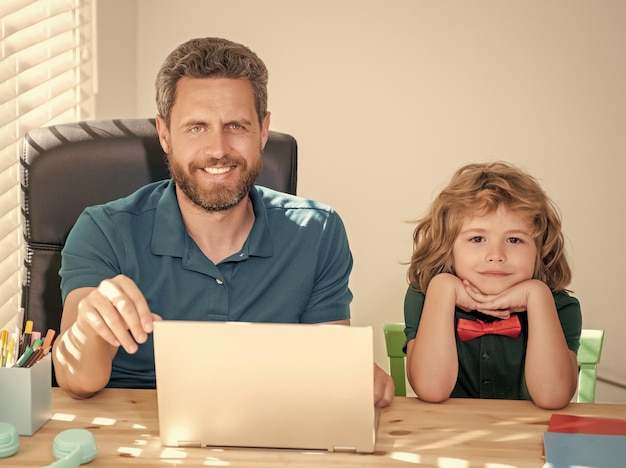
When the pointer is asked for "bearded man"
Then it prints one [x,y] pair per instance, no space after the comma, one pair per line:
[207,244]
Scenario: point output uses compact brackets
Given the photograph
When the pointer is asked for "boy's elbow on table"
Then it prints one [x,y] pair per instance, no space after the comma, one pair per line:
[431,395]
[551,400]
[551,403]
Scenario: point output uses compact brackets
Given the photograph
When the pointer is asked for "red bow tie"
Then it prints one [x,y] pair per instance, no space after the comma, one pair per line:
[470,329]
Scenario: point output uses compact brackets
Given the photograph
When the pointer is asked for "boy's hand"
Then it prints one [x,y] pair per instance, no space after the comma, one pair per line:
[466,296]
[514,299]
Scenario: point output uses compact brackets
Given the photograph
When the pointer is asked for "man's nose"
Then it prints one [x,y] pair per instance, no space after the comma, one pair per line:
[215,144]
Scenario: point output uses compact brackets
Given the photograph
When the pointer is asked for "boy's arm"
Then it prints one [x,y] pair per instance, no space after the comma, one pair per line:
[551,367]
[432,362]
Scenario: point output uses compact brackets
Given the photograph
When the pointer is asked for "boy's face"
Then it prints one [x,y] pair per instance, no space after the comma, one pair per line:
[495,251]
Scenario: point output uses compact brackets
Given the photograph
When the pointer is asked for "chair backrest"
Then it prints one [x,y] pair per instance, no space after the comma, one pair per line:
[66,168]
[588,357]
[395,339]
[589,353]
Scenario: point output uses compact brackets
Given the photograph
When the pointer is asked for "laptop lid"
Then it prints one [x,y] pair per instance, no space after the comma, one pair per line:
[239,384]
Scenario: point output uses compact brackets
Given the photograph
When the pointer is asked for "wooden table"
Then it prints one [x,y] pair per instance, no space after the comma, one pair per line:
[459,433]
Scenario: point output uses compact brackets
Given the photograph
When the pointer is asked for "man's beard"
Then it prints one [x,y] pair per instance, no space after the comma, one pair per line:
[219,197]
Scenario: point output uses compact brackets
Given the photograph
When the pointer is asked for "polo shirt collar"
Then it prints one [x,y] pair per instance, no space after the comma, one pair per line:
[259,240]
[170,238]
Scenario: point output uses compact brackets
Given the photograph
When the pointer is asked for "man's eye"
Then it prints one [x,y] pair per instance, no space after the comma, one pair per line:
[196,129]
[236,127]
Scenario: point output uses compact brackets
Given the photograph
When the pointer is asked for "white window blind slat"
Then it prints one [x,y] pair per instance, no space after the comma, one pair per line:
[9,203]
[8,179]
[27,26]
[10,227]
[46,63]
[8,8]
[7,310]
[12,243]
[37,96]
[6,156]
[61,49]
[8,137]
[52,47]
[48,91]
[54,107]
[10,286]
[8,67]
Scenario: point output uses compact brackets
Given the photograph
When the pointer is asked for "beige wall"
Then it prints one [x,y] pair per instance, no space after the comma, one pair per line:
[388,97]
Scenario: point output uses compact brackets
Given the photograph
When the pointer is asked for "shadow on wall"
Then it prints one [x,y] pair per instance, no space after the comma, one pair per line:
[609,392]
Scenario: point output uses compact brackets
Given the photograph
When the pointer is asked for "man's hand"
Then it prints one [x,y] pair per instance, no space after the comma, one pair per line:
[384,388]
[117,312]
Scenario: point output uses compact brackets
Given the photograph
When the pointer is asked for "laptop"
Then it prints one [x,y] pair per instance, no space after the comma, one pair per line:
[264,385]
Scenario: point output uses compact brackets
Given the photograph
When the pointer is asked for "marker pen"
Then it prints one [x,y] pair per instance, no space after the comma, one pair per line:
[47,342]
[11,354]
[24,357]
[4,347]
[37,344]
[19,323]
[28,329]
[34,357]
[36,351]
[34,336]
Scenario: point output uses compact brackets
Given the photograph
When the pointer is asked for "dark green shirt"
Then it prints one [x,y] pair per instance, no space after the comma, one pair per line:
[492,366]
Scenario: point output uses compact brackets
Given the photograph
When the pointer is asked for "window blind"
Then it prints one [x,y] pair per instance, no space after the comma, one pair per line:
[46,78]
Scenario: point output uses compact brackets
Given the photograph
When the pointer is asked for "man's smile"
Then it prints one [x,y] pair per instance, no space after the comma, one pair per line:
[219,170]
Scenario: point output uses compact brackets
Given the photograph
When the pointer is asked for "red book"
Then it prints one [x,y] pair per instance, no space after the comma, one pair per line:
[586,425]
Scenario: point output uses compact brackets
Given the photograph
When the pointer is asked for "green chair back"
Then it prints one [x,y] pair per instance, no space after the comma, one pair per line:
[588,357]
[394,339]
[589,353]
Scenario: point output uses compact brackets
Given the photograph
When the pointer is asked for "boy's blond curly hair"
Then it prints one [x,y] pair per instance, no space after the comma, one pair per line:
[478,189]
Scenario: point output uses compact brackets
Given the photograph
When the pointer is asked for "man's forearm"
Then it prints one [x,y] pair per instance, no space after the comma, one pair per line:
[82,364]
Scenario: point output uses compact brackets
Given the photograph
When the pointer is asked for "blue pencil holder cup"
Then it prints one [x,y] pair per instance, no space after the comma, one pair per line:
[25,395]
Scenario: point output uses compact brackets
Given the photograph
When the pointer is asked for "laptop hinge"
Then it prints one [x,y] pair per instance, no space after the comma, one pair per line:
[189,443]
[344,448]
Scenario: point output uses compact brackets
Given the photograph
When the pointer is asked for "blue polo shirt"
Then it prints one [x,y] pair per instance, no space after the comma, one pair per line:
[293,267]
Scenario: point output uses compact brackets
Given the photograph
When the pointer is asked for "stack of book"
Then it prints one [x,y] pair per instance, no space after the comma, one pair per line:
[585,441]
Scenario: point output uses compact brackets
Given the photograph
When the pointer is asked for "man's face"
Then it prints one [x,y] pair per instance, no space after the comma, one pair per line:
[214,141]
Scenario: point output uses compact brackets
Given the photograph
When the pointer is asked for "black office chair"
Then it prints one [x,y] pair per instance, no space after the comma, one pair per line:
[67,167]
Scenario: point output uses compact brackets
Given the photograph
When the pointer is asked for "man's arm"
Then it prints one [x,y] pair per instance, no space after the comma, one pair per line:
[82,361]
[95,323]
